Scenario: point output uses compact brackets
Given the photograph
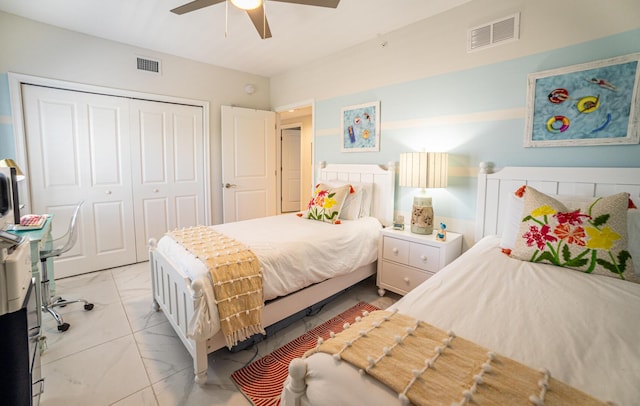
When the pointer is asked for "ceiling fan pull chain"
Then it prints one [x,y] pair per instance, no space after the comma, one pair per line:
[226,18]
[264,19]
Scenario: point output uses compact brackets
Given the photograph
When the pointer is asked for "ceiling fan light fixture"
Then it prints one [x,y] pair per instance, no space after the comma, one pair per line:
[247,4]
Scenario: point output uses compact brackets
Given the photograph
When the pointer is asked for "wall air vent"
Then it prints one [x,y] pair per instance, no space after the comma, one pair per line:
[494,33]
[148,65]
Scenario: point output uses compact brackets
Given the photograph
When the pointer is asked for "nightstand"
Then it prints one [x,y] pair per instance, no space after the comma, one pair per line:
[405,259]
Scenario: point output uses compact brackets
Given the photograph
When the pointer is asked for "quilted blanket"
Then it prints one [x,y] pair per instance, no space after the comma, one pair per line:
[426,365]
[237,280]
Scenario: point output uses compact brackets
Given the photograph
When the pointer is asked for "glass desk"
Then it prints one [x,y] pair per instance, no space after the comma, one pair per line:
[39,239]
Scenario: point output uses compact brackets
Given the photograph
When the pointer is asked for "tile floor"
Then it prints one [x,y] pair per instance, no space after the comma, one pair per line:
[123,353]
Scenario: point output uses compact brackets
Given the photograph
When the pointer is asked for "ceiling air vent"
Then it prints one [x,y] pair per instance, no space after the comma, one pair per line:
[148,65]
[494,33]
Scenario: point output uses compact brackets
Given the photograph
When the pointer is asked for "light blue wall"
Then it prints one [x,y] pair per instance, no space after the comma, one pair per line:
[476,115]
[7,143]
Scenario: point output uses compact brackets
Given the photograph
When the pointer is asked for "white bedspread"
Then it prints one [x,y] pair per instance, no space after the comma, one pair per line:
[584,328]
[293,253]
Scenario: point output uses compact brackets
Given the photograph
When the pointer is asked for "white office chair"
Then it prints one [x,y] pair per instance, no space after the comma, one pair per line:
[58,247]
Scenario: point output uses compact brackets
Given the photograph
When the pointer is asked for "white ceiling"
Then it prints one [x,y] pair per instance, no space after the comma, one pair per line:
[301,34]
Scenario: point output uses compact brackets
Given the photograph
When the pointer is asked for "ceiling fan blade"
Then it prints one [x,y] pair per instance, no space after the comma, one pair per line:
[318,3]
[195,5]
[260,22]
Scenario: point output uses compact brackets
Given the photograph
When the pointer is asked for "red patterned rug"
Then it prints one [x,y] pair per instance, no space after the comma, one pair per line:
[261,381]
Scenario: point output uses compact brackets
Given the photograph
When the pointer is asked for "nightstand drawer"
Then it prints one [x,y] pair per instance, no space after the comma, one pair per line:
[424,257]
[401,277]
[394,249]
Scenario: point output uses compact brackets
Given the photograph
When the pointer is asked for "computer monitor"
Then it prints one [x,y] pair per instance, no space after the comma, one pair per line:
[9,201]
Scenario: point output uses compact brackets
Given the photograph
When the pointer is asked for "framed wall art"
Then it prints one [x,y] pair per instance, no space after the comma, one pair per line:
[595,103]
[361,128]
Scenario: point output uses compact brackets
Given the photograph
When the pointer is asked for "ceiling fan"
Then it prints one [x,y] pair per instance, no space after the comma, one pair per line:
[254,8]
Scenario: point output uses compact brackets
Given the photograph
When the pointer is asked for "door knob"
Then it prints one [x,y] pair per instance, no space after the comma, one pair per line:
[229,185]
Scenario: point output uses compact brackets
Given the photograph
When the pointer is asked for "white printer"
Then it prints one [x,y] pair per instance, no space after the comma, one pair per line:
[15,271]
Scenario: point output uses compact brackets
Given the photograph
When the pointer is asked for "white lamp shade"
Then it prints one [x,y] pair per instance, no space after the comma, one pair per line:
[424,169]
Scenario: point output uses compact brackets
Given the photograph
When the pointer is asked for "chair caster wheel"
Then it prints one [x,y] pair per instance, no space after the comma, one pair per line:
[63,327]
[88,306]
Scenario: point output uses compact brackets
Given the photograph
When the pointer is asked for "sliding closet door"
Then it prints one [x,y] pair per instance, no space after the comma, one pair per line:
[78,149]
[168,169]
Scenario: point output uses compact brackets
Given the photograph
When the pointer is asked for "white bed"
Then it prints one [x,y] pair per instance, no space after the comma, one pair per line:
[181,287]
[582,328]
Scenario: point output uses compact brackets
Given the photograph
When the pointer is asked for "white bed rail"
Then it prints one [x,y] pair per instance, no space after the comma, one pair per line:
[177,297]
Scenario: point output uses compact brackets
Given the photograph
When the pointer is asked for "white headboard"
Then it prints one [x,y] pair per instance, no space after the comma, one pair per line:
[382,178]
[494,188]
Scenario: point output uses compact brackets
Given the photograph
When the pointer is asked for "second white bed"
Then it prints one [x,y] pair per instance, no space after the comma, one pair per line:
[522,310]
[582,327]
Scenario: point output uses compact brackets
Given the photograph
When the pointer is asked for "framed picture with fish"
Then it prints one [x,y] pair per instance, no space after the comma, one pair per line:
[361,127]
[594,103]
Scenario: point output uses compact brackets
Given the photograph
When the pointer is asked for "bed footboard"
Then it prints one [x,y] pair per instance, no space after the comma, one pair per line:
[293,392]
[177,297]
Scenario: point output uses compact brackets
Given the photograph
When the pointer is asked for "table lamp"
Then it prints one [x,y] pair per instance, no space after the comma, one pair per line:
[10,163]
[423,170]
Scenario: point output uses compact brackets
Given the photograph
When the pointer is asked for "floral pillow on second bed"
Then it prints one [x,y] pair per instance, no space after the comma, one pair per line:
[591,238]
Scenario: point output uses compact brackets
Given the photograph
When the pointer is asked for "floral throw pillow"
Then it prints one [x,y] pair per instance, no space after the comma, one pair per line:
[326,203]
[591,238]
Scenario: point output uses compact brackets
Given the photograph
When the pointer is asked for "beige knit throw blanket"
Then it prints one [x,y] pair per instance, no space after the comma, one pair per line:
[237,279]
[427,366]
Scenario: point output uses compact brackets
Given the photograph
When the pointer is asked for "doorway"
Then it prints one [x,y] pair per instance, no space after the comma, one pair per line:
[290,169]
[249,163]
[252,160]
[297,117]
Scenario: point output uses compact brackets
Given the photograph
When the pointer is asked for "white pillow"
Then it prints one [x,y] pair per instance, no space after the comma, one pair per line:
[351,208]
[512,220]
[367,197]
[358,203]
[633,237]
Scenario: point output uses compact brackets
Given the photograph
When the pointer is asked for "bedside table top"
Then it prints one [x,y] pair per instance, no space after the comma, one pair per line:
[407,235]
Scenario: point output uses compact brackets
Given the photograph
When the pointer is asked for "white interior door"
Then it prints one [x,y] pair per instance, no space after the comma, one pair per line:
[248,163]
[290,169]
[168,169]
[78,149]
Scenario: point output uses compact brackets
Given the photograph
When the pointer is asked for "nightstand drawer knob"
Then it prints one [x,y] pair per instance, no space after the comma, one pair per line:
[423,258]
[406,279]
[395,251]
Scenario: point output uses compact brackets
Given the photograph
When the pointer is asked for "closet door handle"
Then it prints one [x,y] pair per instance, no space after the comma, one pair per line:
[229,185]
